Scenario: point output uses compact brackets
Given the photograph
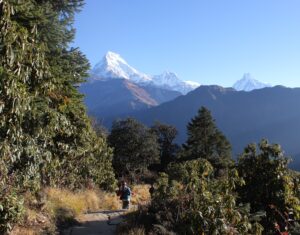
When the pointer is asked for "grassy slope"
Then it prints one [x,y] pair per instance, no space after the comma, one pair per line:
[57,208]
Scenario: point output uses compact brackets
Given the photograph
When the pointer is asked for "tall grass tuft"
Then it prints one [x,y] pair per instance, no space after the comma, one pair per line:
[141,194]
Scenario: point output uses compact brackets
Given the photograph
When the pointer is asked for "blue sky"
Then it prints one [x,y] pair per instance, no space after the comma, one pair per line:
[208,41]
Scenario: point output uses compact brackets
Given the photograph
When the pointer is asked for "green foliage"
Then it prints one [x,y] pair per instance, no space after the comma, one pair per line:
[46,137]
[294,189]
[135,147]
[189,200]
[206,141]
[11,210]
[269,185]
[264,172]
[166,135]
[11,204]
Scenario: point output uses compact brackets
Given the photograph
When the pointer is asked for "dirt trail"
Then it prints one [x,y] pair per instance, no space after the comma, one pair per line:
[93,223]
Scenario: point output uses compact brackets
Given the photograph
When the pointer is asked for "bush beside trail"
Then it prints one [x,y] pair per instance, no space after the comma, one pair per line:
[46,137]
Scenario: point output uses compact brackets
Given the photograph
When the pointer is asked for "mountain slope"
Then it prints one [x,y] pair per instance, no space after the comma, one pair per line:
[113,66]
[117,97]
[244,117]
[248,83]
[170,81]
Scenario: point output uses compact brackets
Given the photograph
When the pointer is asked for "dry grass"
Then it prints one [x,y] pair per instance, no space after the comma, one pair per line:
[58,199]
[110,201]
[80,202]
[34,220]
[24,231]
[141,194]
[133,231]
[91,200]
[65,205]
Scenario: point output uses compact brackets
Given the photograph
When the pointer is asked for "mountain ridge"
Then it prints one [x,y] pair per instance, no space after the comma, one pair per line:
[248,83]
[117,97]
[113,66]
[244,117]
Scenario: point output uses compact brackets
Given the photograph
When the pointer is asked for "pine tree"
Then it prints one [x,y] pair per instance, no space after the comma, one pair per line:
[206,141]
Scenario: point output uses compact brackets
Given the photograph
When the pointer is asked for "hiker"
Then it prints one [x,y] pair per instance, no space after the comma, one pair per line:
[125,193]
[151,189]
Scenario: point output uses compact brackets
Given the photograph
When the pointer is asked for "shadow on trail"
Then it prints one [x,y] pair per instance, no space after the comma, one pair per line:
[98,222]
[92,227]
[105,212]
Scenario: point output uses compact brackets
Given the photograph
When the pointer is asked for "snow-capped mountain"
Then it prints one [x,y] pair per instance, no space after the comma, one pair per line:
[113,66]
[248,83]
[170,81]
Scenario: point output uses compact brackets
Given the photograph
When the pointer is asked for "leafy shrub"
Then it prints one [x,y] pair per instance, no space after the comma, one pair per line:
[191,201]
[11,211]
[269,185]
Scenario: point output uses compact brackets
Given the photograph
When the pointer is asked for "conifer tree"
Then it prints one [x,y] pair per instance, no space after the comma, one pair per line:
[206,141]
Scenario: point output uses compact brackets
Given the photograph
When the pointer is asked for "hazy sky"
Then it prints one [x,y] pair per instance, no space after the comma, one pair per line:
[209,41]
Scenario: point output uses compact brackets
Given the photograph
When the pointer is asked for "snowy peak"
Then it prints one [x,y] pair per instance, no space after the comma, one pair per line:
[166,77]
[113,58]
[248,83]
[113,66]
[170,81]
[192,84]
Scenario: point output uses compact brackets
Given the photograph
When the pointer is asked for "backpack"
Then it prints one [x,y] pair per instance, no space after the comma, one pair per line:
[126,193]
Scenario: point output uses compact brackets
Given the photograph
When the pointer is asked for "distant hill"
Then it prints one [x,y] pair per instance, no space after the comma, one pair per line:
[112,98]
[244,117]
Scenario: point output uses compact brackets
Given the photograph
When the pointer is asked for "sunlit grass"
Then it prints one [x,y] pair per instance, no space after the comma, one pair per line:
[110,201]
[24,231]
[62,205]
[133,231]
[141,194]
